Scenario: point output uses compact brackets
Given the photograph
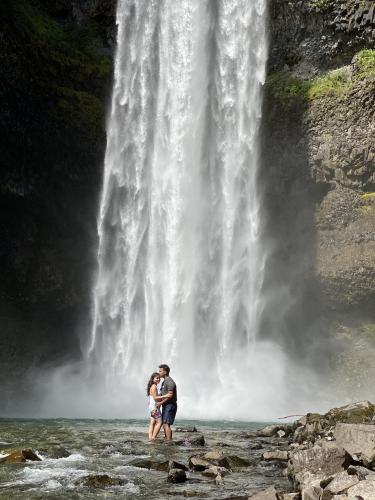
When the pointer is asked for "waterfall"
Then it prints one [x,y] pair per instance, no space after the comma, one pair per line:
[180,259]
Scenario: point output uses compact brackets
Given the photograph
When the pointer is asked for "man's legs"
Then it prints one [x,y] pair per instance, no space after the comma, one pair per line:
[167,432]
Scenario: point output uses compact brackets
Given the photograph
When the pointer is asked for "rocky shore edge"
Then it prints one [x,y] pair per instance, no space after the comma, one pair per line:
[327,456]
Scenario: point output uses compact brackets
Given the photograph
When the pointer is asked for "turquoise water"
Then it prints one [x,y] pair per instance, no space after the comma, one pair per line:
[108,446]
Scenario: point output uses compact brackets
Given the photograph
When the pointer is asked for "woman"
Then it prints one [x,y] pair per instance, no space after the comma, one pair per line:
[155,413]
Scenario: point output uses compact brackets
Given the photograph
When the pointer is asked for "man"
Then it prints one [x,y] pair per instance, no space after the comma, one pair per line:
[169,401]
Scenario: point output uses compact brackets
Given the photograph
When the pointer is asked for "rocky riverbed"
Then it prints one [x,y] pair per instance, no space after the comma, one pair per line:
[318,457]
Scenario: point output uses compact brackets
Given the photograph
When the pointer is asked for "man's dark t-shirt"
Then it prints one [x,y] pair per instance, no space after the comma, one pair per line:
[169,385]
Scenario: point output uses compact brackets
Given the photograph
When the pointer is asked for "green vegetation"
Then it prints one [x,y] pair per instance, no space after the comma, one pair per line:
[319,5]
[286,88]
[336,82]
[61,58]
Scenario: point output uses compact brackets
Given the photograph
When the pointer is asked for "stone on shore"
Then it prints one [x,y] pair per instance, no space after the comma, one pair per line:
[198,463]
[58,452]
[191,441]
[176,465]
[363,490]
[269,430]
[215,470]
[227,461]
[340,483]
[176,476]
[268,494]
[20,456]
[186,429]
[318,462]
[358,440]
[276,455]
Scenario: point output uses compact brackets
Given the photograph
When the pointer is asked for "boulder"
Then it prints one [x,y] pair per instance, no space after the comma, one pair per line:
[357,439]
[218,457]
[268,494]
[101,481]
[312,493]
[214,471]
[191,441]
[306,466]
[363,490]
[340,483]
[198,463]
[176,465]
[145,463]
[361,472]
[275,455]
[176,476]
[269,430]
[291,496]
[58,452]
[19,456]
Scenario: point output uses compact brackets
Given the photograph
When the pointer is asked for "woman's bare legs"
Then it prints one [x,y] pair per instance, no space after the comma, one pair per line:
[151,428]
[157,428]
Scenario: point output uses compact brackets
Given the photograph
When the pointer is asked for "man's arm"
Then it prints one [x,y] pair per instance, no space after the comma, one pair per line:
[165,398]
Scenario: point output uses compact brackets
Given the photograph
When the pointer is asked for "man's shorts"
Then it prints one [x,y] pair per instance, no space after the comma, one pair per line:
[169,413]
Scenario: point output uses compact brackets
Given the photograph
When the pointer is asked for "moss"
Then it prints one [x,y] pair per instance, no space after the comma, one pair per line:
[286,88]
[60,50]
[319,5]
[80,106]
[366,62]
[335,83]
[368,197]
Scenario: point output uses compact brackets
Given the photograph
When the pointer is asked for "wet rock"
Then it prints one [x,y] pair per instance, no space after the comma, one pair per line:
[186,429]
[276,455]
[19,456]
[101,481]
[144,463]
[357,439]
[268,494]
[176,476]
[269,430]
[176,465]
[363,490]
[256,446]
[281,433]
[291,496]
[191,441]
[198,463]
[307,466]
[227,461]
[340,483]
[214,471]
[58,452]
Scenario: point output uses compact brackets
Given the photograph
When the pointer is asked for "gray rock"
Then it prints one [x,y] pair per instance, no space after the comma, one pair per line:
[268,494]
[176,465]
[198,463]
[340,483]
[145,463]
[186,429]
[308,466]
[269,430]
[214,471]
[275,455]
[312,493]
[357,439]
[101,481]
[291,496]
[191,440]
[360,472]
[176,476]
[363,490]
[59,452]
[224,460]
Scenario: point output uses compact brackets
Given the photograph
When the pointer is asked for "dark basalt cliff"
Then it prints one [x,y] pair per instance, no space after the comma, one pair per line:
[318,173]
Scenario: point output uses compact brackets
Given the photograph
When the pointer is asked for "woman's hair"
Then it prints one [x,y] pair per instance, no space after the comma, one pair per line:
[151,381]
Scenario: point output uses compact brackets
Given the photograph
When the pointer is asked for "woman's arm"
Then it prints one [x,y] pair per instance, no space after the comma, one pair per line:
[154,393]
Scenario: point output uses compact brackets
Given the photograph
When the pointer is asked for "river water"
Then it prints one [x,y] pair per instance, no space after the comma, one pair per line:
[107,446]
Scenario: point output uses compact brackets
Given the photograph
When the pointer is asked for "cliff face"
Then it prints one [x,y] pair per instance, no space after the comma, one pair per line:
[319,165]
[55,75]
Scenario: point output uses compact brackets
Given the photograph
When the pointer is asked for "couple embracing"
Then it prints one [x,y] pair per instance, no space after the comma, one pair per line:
[162,403]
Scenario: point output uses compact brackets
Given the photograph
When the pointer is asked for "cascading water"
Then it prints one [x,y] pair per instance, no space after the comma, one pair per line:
[180,255]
